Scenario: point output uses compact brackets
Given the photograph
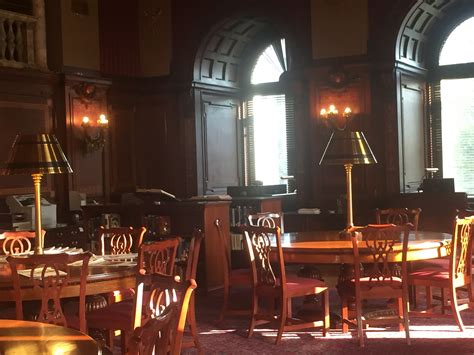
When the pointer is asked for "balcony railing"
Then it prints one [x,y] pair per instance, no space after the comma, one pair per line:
[17,40]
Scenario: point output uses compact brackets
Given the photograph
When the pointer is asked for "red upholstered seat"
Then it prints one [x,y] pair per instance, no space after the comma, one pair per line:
[301,286]
[430,274]
[115,316]
[441,263]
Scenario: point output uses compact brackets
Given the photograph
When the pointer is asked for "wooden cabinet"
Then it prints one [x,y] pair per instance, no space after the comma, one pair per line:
[241,207]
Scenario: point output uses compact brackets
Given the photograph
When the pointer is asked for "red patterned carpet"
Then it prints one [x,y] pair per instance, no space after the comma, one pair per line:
[429,336]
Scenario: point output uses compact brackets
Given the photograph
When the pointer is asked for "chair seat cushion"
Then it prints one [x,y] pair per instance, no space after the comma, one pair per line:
[300,286]
[348,287]
[115,316]
[240,277]
[430,274]
[441,263]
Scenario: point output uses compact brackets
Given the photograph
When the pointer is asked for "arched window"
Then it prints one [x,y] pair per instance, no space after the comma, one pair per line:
[269,118]
[455,116]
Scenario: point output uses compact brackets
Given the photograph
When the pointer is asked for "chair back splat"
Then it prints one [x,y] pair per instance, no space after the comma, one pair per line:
[18,242]
[155,336]
[50,274]
[266,219]
[398,216]
[120,240]
[158,257]
[154,293]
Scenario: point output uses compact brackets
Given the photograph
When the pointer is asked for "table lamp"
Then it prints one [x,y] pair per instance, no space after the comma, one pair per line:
[348,148]
[36,154]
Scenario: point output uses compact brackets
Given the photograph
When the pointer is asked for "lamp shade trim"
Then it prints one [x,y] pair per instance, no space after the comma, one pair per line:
[36,154]
[346,147]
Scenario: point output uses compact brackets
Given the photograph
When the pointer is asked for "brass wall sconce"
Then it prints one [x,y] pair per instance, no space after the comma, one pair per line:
[332,118]
[94,134]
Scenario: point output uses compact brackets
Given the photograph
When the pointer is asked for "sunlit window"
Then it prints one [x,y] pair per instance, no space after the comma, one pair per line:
[270,121]
[269,66]
[457,109]
[459,47]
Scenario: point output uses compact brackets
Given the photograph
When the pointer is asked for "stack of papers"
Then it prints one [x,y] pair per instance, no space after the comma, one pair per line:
[309,211]
[38,272]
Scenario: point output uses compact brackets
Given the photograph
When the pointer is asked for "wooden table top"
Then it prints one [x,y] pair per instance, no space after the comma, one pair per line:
[327,247]
[101,279]
[24,337]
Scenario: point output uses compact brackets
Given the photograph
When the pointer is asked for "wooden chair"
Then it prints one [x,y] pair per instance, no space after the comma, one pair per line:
[376,243]
[232,278]
[398,216]
[272,284]
[266,219]
[49,274]
[190,274]
[17,242]
[69,236]
[155,336]
[456,275]
[153,258]
[120,240]
[156,292]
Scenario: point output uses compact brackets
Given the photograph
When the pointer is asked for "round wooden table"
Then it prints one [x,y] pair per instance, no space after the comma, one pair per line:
[329,247]
[23,337]
[101,279]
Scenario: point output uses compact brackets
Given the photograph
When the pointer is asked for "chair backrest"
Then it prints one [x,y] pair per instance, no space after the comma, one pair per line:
[193,255]
[120,240]
[18,242]
[69,236]
[266,219]
[158,257]
[398,216]
[155,336]
[258,241]
[154,293]
[378,243]
[49,274]
[460,265]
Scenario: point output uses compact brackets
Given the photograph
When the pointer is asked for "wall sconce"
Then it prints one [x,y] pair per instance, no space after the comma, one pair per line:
[94,135]
[332,118]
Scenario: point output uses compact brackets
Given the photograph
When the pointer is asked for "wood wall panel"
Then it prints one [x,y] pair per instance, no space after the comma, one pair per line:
[25,108]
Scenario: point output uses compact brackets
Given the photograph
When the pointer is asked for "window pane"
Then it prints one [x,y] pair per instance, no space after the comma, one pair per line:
[270,138]
[268,68]
[457,112]
[459,47]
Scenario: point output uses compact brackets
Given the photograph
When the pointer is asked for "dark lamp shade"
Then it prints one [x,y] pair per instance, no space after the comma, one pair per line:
[346,147]
[36,154]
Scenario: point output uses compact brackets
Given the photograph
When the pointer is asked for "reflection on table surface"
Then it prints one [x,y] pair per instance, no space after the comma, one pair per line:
[334,247]
[24,337]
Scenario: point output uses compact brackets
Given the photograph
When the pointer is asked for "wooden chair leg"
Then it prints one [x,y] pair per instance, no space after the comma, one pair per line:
[325,305]
[344,315]
[455,309]
[443,300]
[401,301]
[110,334]
[283,314]
[253,315]
[406,319]
[192,324]
[225,304]
[360,327]
[429,297]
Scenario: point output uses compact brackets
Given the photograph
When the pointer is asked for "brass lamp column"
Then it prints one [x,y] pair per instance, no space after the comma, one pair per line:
[348,148]
[36,154]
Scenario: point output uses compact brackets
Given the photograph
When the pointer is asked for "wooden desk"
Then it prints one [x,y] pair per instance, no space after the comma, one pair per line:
[326,247]
[23,337]
[101,279]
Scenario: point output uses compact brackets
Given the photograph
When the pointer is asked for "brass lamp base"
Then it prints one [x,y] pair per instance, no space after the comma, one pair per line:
[39,242]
